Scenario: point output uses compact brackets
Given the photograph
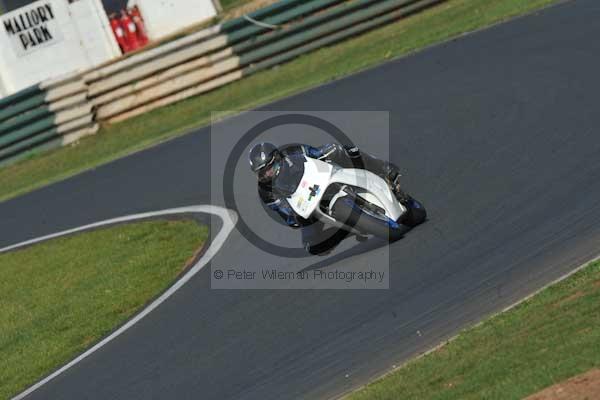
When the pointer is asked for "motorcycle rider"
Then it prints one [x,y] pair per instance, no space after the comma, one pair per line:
[268,162]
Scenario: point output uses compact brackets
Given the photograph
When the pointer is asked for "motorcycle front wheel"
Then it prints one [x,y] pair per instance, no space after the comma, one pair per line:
[415,215]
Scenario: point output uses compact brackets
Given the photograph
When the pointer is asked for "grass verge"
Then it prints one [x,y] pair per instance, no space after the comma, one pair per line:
[230,4]
[548,338]
[60,297]
[432,26]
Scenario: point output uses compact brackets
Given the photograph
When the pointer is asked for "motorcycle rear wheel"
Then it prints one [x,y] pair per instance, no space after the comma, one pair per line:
[346,211]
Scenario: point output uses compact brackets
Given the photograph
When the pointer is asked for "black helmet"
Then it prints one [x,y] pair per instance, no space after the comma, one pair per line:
[265,161]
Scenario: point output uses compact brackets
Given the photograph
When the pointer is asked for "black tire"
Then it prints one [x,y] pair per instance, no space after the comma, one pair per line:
[345,211]
[415,215]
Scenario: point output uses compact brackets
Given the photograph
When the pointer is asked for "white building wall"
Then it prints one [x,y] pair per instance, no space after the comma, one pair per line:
[165,17]
[94,29]
[3,91]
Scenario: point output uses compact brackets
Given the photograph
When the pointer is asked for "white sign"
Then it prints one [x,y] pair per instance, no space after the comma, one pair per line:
[48,39]
[32,29]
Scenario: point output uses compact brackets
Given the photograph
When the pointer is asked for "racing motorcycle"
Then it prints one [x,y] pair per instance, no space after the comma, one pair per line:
[355,200]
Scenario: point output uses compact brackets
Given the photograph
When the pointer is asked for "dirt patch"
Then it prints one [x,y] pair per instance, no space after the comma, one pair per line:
[453,383]
[581,387]
[568,299]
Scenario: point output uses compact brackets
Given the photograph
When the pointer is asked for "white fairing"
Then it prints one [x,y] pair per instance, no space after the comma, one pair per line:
[318,175]
[316,178]
[376,190]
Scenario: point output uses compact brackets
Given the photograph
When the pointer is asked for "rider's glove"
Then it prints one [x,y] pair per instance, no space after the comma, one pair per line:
[352,151]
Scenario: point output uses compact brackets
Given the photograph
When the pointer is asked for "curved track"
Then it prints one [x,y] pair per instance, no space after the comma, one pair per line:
[498,135]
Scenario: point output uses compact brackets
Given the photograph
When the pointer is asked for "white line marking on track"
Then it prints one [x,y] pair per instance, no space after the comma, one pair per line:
[229,219]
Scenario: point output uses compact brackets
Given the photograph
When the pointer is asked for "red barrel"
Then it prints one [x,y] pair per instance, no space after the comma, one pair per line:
[130,31]
[136,16]
[119,33]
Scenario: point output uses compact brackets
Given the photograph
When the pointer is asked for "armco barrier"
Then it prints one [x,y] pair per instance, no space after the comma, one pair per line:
[50,114]
[243,58]
[60,112]
[195,50]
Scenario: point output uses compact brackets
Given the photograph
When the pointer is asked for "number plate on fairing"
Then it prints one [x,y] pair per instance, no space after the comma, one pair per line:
[315,180]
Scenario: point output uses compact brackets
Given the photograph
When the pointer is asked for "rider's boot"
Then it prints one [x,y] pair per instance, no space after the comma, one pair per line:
[361,238]
[393,178]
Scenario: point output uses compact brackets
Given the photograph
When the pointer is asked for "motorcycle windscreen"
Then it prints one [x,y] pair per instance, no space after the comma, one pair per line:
[290,175]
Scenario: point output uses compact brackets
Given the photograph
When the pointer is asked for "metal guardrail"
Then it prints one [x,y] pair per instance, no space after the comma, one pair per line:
[56,113]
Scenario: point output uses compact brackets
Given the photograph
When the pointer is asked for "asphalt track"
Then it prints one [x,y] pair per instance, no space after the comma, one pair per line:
[497,133]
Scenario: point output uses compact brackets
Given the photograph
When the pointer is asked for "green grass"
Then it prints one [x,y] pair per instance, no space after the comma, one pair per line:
[230,4]
[60,297]
[551,337]
[433,26]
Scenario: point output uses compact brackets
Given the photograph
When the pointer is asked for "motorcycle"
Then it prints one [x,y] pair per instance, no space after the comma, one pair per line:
[355,200]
